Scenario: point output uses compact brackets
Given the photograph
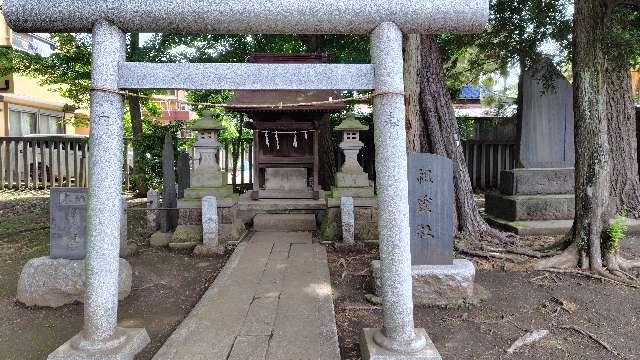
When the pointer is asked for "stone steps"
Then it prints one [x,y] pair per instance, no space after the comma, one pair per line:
[284,222]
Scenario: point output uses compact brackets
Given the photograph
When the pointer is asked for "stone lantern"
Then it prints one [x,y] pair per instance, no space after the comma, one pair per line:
[206,172]
[351,174]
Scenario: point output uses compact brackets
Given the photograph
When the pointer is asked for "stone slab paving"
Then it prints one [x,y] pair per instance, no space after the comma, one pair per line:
[272,301]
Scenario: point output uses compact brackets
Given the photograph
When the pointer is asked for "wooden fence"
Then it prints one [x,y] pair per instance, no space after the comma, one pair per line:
[42,162]
[45,162]
[486,160]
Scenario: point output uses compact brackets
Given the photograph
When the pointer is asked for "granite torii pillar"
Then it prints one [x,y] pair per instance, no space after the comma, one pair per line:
[385,20]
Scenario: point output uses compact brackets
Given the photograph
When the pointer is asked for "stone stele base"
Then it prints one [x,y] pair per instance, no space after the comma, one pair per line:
[56,282]
[438,285]
[133,341]
[372,351]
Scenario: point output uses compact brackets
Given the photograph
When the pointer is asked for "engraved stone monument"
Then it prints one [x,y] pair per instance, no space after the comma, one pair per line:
[431,209]
[68,220]
[59,279]
[438,278]
[537,197]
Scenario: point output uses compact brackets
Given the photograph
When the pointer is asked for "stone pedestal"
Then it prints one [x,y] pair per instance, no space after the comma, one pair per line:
[439,285]
[125,344]
[365,220]
[370,349]
[55,282]
[531,197]
[189,230]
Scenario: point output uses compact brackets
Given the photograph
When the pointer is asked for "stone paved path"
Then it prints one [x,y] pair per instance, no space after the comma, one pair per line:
[272,301]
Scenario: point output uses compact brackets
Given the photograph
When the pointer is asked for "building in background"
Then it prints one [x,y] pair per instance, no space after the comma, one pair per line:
[173,106]
[26,107]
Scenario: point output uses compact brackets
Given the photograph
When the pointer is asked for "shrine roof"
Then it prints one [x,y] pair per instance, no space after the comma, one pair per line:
[283,99]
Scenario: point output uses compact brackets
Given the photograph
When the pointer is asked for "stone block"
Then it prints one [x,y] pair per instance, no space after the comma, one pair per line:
[284,222]
[367,231]
[530,207]
[363,214]
[370,350]
[207,177]
[189,217]
[537,181]
[346,180]
[160,239]
[133,340]
[227,215]
[285,179]
[55,282]
[438,285]
[196,193]
[231,232]
[68,220]
[187,234]
[348,220]
[331,223]
[354,192]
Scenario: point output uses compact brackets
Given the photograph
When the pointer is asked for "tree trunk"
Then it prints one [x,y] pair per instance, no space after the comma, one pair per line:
[441,135]
[621,118]
[327,155]
[592,145]
[136,120]
[415,133]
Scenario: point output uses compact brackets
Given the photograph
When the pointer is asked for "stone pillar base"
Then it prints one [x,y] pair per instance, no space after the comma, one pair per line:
[372,351]
[55,282]
[438,285]
[133,341]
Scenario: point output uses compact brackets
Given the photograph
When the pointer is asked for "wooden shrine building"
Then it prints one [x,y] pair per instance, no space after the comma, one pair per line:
[286,147]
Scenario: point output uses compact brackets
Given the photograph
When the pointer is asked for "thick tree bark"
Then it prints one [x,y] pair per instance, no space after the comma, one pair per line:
[592,145]
[136,120]
[412,65]
[625,182]
[441,135]
[327,155]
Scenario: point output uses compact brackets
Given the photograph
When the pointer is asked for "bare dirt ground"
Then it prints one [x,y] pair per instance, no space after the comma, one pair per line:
[166,284]
[519,301]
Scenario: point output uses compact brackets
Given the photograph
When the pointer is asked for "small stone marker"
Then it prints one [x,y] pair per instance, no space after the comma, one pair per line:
[431,209]
[348,220]
[184,173]
[153,217]
[209,221]
[210,229]
[169,220]
[68,219]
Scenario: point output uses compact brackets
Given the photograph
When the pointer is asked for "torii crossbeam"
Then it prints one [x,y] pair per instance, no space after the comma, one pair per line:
[109,20]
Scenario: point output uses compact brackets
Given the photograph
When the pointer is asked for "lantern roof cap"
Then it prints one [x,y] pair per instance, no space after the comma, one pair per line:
[351,124]
[207,122]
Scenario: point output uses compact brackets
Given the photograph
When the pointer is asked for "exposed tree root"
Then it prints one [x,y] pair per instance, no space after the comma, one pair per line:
[489,254]
[592,337]
[521,251]
[568,259]
[607,276]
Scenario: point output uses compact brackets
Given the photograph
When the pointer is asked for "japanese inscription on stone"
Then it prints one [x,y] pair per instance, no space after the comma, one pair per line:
[431,209]
[68,218]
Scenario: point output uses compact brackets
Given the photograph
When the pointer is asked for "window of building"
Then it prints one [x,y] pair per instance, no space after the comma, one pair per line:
[25,121]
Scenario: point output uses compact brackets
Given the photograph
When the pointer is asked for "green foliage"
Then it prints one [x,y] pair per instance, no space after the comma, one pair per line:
[150,145]
[616,231]
[624,34]
[67,70]
[466,128]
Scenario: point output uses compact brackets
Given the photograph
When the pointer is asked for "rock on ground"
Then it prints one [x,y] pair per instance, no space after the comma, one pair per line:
[56,282]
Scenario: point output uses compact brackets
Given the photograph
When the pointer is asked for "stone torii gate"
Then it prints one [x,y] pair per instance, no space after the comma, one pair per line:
[109,20]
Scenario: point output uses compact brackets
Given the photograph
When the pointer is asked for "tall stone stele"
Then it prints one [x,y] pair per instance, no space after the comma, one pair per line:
[207,179]
[536,198]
